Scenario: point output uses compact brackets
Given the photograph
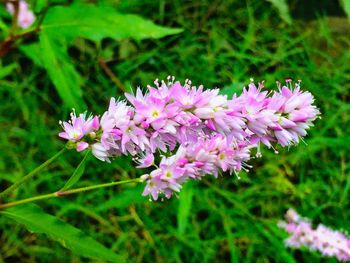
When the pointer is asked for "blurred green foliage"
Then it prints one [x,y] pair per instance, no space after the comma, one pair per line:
[223,44]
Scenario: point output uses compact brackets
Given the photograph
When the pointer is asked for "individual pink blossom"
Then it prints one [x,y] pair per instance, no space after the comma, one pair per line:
[259,118]
[146,160]
[25,16]
[81,146]
[119,130]
[296,113]
[331,243]
[79,126]
[100,152]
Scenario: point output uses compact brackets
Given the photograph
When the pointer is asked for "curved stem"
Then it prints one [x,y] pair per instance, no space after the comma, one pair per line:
[31,174]
[67,192]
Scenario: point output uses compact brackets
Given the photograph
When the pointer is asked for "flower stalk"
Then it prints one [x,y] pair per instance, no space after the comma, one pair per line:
[67,192]
[31,174]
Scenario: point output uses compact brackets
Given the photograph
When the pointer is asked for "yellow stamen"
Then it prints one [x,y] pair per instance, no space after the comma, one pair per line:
[221,156]
[155,113]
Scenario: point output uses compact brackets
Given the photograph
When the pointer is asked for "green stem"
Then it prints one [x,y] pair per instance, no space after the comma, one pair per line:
[67,192]
[31,174]
[15,17]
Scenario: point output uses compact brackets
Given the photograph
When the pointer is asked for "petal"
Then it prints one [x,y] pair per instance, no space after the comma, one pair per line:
[64,135]
[81,146]
[95,123]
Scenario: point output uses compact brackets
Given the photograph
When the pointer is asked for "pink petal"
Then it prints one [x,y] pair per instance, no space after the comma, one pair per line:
[95,123]
[64,135]
[81,146]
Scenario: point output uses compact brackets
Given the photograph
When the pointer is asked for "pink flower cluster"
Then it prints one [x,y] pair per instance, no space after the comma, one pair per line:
[201,131]
[25,16]
[209,155]
[330,243]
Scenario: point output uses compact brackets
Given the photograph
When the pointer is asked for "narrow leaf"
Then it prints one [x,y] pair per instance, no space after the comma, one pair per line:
[97,22]
[37,221]
[62,73]
[184,210]
[78,172]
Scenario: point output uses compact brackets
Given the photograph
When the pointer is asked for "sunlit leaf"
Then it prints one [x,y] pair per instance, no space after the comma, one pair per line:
[97,22]
[37,221]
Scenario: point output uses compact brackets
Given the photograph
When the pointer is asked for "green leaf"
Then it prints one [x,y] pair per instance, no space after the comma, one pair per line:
[65,23]
[283,10]
[184,210]
[346,6]
[37,221]
[97,22]
[78,172]
[62,73]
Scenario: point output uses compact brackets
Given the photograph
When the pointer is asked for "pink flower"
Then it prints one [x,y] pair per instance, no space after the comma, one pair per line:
[192,161]
[295,111]
[147,160]
[78,127]
[168,178]
[154,186]
[81,146]
[119,131]
[100,152]
[152,111]
[259,119]
[25,16]
[186,97]
[200,131]
[133,138]
[330,243]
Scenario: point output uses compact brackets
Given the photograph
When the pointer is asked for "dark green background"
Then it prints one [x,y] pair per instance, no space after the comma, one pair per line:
[224,44]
